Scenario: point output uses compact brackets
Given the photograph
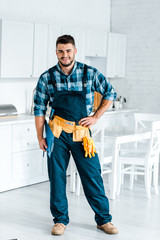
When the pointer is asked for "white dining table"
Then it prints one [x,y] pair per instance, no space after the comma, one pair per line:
[117,139]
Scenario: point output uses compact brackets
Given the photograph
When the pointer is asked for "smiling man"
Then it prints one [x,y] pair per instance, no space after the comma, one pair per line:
[66,55]
[69,88]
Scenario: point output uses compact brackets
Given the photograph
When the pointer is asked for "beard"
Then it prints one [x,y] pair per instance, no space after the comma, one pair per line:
[68,64]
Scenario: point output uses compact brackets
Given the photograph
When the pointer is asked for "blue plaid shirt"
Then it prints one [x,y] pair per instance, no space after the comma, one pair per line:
[73,82]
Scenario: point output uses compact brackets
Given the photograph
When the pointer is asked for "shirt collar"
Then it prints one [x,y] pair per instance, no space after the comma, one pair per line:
[73,69]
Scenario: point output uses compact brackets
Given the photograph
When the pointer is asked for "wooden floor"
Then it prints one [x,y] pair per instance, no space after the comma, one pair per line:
[25,215]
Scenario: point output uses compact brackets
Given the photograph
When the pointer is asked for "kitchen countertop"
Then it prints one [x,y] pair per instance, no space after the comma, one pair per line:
[118,111]
[23,118]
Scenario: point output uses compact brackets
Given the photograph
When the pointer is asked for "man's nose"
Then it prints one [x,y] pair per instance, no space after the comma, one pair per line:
[65,54]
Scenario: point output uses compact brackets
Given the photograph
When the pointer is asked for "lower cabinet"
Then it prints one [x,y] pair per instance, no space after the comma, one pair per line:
[21,161]
[5,156]
[119,121]
[29,167]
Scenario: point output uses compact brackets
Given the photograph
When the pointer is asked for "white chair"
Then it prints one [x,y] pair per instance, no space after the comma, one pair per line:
[143,121]
[104,157]
[142,164]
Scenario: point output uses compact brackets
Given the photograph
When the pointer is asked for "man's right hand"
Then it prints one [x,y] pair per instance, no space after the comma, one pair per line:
[43,144]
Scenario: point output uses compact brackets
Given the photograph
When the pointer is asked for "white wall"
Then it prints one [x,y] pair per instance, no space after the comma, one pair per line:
[90,14]
[140,21]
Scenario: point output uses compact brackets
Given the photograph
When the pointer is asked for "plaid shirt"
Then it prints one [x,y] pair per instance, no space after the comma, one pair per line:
[73,82]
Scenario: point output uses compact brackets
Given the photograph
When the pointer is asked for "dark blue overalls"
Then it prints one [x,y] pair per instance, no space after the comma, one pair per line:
[71,105]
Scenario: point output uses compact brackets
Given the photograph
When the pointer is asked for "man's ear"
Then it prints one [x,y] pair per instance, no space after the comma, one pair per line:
[75,50]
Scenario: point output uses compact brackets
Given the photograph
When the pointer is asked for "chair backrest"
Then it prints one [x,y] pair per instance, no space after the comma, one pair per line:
[154,145]
[144,120]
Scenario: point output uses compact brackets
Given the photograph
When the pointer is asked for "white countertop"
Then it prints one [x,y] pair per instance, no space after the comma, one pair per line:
[24,118]
[21,118]
[118,111]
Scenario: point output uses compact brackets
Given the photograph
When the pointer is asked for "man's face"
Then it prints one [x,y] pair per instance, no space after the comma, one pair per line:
[66,54]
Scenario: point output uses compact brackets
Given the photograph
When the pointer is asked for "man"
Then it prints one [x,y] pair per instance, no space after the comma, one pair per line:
[69,88]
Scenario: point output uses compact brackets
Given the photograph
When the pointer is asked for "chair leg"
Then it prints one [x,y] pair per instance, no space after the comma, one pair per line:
[72,176]
[147,182]
[155,177]
[122,175]
[78,186]
[135,177]
[109,181]
[131,178]
[119,178]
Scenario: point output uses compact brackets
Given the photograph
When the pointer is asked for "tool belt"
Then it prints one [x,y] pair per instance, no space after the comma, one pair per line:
[80,134]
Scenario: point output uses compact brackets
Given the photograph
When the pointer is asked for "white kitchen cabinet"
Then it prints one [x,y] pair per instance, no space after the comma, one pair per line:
[116,55]
[79,36]
[24,137]
[119,121]
[54,33]
[21,160]
[96,44]
[16,49]
[28,165]
[40,63]
[5,156]
[28,162]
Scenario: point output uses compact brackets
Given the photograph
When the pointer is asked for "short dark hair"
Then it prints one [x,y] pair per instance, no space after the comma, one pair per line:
[64,39]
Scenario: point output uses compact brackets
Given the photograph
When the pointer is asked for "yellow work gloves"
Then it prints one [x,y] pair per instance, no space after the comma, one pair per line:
[89,147]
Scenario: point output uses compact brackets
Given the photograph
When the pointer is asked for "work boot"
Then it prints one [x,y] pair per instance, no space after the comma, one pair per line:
[108,228]
[58,229]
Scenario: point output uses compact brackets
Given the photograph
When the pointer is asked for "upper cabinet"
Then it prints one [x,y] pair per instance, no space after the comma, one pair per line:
[116,55]
[40,49]
[16,47]
[53,34]
[79,36]
[28,49]
[96,44]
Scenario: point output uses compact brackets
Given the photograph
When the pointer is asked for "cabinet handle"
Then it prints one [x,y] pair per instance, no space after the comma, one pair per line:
[28,129]
[27,164]
[28,143]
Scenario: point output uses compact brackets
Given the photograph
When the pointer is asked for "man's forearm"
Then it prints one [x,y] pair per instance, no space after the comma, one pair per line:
[39,122]
[105,104]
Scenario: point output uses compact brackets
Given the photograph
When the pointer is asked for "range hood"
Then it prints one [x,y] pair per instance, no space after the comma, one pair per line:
[8,111]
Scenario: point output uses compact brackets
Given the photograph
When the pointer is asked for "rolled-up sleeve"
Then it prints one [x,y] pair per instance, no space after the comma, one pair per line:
[104,87]
[41,97]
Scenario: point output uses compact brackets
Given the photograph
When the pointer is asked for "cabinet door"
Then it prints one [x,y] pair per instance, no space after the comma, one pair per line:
[16,49]
[54,33]
[116,55]
[28,165]
[121,56]
[96,44]
[79,37]
[5,155]
[40,49]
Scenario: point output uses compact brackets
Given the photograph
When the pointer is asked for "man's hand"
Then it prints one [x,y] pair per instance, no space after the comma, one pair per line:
[42,144]
[88,121]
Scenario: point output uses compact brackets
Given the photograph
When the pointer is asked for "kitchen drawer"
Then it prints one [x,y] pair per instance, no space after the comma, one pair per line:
[24,137]
[24,130]
[27,165]
[25,144]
